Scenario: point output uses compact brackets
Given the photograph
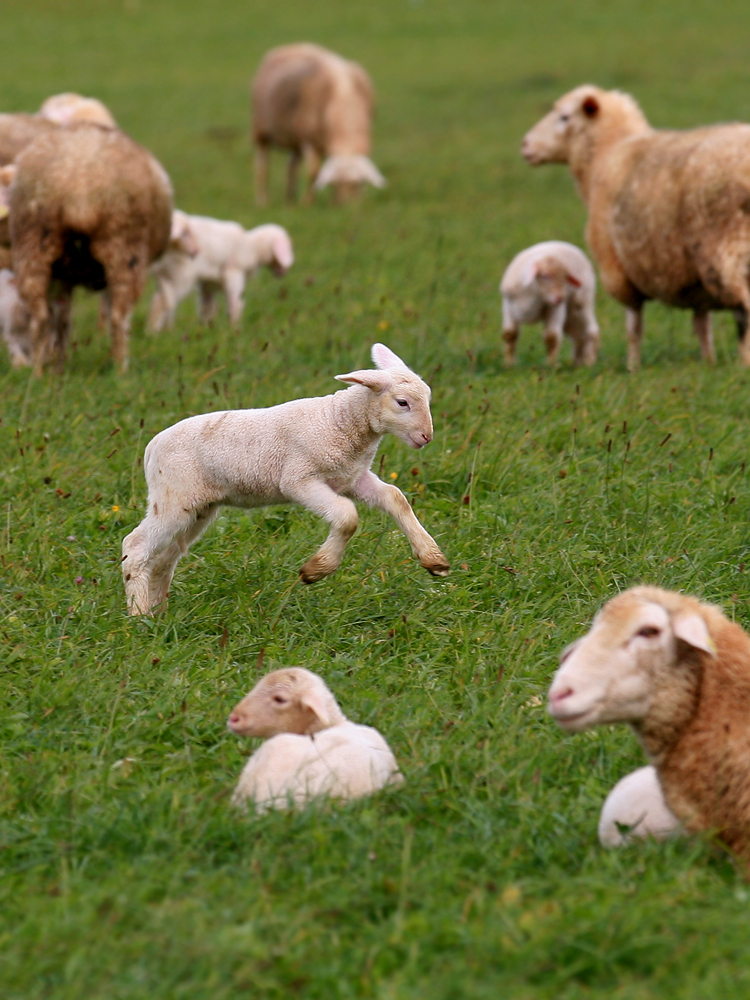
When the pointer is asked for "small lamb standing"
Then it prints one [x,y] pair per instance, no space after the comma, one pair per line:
[552,283]
[319,106]
[635,810]
[679,672]
[224,256]
[316,452]
[311,748]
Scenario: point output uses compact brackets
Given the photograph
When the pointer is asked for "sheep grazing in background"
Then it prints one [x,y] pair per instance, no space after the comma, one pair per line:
[214,255]
[68,108]
[679,672]
[311,748]
[88,206]
[635,810]
[552,283]
[315,452]
[318,106]
[668,211]
[14,320]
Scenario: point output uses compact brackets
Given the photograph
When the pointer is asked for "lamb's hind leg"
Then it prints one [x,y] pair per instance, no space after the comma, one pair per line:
[703,331]
[390,499]
[342,516]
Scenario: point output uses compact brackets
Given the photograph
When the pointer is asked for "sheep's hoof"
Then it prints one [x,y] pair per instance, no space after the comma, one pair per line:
[439,569]
[309,574]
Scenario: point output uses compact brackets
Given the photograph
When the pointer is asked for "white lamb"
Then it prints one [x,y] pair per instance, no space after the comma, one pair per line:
[225,255]
[313,750]
[635,809]
[316,452]
[552,283]
[14,319]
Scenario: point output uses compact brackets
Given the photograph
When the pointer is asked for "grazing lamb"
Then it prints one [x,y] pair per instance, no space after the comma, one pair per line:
[319,106]
[311,748]
[224,255]
[679,672]
[553,283]
[67,108]
[635,809]
[669,212]
[90,207]
[315,452]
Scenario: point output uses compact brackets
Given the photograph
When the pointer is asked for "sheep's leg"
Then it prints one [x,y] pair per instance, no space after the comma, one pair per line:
[342,516]
[389,498]
[234,286]
[553,333]
[162,308]
[207,299]
[702,328]
[291,177]
[60,324]
[104,307]
[261,174]
[634,330]
[312,166]
[510,336]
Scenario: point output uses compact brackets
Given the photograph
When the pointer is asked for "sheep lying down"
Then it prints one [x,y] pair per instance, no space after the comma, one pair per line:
[311,748]
[678,671]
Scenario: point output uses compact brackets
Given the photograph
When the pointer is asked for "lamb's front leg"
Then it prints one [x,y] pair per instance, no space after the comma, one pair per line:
[390,499]
[342,516]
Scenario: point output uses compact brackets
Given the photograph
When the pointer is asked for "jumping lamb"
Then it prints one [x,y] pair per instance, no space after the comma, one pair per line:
[89,207]
[311,748]
[678,671]
[553,283]
[319,106]
[635,809]
[221,257]
[669,212]
[316,452]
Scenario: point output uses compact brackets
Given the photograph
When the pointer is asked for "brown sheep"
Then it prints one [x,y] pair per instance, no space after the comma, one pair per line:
[679,672]
[17,131]
[90,207]
[319,106]
[669,212]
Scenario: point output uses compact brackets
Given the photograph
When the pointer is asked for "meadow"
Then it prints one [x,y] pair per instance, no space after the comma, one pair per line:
[124,873]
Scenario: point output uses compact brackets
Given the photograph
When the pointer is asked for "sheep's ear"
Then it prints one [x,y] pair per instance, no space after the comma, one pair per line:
[371,174]
[692,629]
[317,703]
[528,274]
[590,107]
[573,281]
[281,248]
[383,357]
[377,381]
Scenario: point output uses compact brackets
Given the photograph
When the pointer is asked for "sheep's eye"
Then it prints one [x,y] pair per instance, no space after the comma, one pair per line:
[403,403]
[564,119]
[279,699]
[649,632]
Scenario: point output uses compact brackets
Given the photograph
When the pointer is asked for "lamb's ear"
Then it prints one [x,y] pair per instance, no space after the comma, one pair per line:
[692,629]
[371,174]
[383,357]
[528,274]
[319,704]
[282,250]
[377,381]
[572,281]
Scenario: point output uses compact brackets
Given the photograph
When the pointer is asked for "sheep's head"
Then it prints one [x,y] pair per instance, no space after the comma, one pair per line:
[348,172]
[551,279]
[181,237]
[403,398]
[613,672]
[293,700]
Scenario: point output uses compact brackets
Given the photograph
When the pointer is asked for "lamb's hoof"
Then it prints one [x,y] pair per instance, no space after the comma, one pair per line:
[311,575]
[439,569]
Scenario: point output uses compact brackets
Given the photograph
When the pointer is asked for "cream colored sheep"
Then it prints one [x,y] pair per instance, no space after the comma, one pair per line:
[67,108]
[669,212]
[319,106]
[311,748]
[635,810]
[553,283]
[315,452]
[679,672]
[225,255]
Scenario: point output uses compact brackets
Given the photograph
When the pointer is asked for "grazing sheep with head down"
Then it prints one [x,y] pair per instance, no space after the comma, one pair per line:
[221,256]
[315,452]
[679,672]
[317,105]
[669,212]
[88,206]
[311,748]
[635,810]
[551,282]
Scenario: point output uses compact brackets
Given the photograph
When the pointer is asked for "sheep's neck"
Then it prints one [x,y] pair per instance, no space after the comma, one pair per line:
[590,149]
[353,415]
[673,708]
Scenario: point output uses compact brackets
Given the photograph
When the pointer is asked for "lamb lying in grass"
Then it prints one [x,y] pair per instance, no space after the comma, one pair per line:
[635,809]
[223,257]
[315,452]
[311,748]
[679,672]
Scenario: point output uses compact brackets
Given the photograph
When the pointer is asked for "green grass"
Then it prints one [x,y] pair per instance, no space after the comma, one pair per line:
[125,874]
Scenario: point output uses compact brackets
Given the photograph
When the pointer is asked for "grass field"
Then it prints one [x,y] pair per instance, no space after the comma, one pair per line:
[125,874]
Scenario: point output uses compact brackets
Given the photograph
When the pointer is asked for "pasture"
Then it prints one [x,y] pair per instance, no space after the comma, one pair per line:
[124,874]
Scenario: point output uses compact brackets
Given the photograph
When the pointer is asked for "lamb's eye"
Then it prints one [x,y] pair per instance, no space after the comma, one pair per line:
[564,119]
[403,403]
[279,699]
[649,632]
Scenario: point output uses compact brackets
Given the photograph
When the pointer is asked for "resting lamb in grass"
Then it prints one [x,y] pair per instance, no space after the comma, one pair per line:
[311,748]
[315,452]
[225,255]
[635,809]
[552,283]
[679,672]
[317,105]
[669,212]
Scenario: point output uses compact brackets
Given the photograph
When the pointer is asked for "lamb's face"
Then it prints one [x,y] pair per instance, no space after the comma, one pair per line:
[608,675]
[273,706]
[405,410]
[549,141]
[553,281]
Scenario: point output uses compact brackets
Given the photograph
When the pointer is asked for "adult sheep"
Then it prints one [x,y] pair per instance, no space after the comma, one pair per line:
[319,106]
[678,671]
[669,212]
[91,207]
